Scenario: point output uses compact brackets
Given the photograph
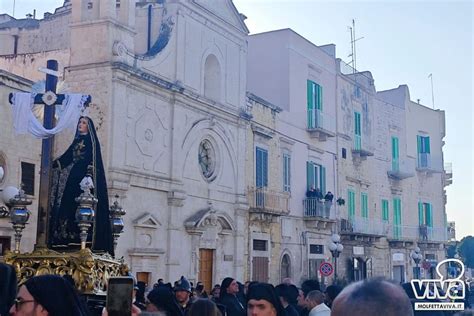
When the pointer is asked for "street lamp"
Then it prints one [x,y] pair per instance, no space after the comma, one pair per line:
[336,248]
[416,256]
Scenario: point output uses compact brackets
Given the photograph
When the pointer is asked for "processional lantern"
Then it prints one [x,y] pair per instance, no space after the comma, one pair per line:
[19,215]
[85,211]
[116,221]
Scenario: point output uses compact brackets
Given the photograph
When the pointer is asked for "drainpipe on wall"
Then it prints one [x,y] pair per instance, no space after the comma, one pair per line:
[15,45]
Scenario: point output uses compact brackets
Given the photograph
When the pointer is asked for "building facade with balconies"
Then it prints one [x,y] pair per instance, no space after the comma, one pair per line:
[298,77]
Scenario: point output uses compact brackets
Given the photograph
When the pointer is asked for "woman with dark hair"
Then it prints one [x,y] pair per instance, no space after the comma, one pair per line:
[67,174]
[228,298]
[7,288]
[49,295]
[204,307]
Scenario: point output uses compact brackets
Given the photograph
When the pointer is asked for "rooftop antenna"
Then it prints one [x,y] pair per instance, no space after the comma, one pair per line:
[353,47]
[432,90]
[13,8]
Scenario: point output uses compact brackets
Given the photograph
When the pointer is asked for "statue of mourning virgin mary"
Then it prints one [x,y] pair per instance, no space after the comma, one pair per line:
[67,173]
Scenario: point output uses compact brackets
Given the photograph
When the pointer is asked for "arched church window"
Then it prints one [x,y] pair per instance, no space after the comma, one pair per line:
[212,78]
[285,267]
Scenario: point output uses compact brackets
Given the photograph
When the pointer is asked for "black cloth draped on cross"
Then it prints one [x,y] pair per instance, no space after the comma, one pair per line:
[67,173]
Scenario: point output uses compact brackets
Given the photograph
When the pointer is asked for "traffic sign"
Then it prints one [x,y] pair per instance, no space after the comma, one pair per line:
[326,269]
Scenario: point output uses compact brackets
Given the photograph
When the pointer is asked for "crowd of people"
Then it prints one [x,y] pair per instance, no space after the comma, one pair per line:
[51,295]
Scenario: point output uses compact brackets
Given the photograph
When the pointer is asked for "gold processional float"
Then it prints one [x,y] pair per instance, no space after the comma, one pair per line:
[90,271]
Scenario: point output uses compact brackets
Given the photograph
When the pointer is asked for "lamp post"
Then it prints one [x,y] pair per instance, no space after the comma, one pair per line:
[336,248]
[416,256]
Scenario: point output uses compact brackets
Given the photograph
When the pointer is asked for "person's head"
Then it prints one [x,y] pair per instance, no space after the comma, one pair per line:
[215,293]
[83,125]
[162,299]
[204,307]
[229,286]
[182,290]
[332,291]
[47,295]
[310,285]
[314,298]
[370,297]
[160,281]
[262,300]
[8,287]
[287,293]
[301,302]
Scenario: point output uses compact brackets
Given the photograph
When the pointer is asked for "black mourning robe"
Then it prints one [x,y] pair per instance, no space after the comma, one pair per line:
[68,171]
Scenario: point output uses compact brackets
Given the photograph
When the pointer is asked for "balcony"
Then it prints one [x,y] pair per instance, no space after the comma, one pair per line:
[321,125]
[363,226]
[421,233]
[402,169]
[317,213]
[314,207]
[429,164]
[360,150]
[448,173]
[263,200]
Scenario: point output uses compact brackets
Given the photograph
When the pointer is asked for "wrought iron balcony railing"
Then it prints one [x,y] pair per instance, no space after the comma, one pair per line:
[268,201]
[314,207]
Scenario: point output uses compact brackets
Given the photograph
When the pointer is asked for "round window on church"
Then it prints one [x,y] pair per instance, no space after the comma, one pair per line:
[207,159]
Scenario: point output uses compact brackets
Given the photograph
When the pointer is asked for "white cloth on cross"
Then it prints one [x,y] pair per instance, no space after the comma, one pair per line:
[24,120]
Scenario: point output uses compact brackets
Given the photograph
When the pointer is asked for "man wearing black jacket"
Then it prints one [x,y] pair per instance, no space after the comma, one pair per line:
[228,298]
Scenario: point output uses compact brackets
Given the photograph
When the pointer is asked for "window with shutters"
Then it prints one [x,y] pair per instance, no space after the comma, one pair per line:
[425,214]
[423,149]
[351,204]
[259,245]
[261,168]
[397,218]
[315,177]
[28,177]
[395,155]
[260,269]
[286,173]
[364,205]
[385,206]
[357,132]
[315,104]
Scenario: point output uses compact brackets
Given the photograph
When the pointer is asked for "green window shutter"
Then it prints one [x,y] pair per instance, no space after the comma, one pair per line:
[309,174]
[322,179]
[385,210]
[420,213]
[427,144]
[310,101]
[364,205]
[418,144]
[429,215]
[351,203]
[261,167]
[320,97]
[395,154]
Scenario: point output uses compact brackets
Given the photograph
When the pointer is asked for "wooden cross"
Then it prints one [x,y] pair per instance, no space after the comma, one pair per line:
[47,148]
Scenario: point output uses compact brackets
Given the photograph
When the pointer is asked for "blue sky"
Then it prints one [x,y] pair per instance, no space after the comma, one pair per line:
[404,41]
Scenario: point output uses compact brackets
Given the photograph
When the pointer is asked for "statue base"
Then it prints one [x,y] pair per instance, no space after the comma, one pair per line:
[89,271]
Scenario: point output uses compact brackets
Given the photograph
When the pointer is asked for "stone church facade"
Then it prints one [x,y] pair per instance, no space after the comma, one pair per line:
[168,113]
